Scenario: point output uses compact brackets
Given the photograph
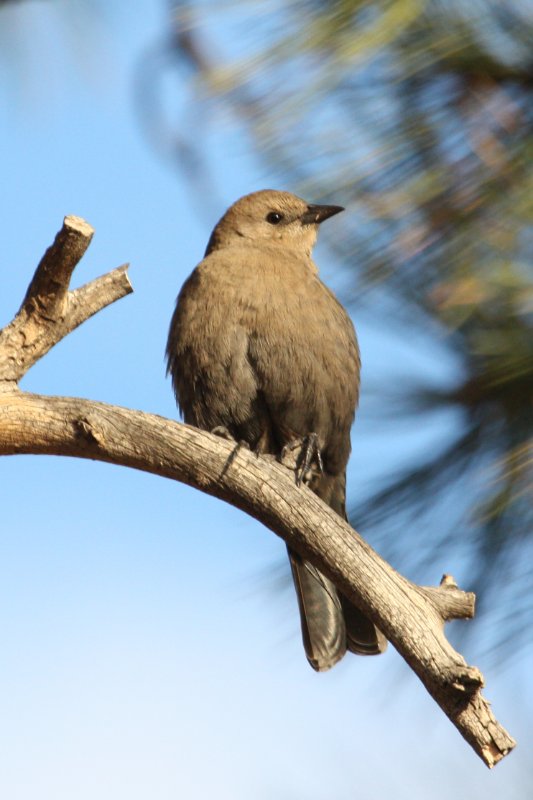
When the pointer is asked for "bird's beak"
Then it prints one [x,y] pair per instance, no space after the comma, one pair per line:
[317,214]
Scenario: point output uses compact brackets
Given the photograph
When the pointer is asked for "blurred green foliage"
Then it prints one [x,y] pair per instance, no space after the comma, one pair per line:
[418,116]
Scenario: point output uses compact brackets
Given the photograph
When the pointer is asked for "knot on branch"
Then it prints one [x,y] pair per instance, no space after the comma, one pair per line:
[87,433]
[465,680]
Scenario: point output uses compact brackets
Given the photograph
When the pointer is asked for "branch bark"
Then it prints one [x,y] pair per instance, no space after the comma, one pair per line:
[49,310]
[411,617]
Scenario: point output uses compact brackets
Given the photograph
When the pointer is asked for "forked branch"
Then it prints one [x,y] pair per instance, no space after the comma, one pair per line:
[411,617]
[49,310]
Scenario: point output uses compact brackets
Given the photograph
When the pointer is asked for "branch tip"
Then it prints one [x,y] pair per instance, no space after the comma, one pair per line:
[448,581]
[79,225]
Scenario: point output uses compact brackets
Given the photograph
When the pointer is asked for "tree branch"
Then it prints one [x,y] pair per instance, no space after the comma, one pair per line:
[49,310]
[411,617]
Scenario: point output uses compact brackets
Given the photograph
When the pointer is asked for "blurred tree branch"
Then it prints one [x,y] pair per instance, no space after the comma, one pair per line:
[418,116]
[411,617]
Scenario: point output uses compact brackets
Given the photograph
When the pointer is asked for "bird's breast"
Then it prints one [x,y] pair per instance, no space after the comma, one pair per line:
[248,327]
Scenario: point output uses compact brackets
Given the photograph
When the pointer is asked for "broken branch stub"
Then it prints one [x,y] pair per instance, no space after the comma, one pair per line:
[49,310]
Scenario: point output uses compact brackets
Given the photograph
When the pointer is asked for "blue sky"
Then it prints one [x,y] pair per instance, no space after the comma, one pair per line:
[148,648]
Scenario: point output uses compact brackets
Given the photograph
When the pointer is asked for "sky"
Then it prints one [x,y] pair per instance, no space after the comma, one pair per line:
[150,642]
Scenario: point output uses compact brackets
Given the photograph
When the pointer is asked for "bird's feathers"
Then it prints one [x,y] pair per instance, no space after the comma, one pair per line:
[260,346]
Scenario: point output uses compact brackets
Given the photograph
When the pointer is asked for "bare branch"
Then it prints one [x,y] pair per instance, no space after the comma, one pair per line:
[449,601]
[411,617]
[49,310]
[52,277]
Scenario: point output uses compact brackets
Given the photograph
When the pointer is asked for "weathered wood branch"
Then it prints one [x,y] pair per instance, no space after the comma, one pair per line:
[411,617]
[49,310]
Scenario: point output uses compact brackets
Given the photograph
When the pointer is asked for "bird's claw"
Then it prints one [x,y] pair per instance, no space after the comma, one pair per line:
[300,454]
[223,432]
[310,452]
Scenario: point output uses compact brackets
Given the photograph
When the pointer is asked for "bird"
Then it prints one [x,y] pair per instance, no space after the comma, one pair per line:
[260,349]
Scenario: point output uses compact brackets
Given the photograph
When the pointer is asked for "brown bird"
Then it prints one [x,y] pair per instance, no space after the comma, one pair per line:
[259,347]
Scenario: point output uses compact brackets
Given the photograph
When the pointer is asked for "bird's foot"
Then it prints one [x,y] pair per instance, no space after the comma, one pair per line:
[223,432]
[310,454]
[304,457]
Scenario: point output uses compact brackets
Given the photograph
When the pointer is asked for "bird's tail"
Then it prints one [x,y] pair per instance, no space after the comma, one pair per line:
[331,624]
[321,614]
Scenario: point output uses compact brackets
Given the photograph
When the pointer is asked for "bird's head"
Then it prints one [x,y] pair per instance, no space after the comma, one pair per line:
[278,217]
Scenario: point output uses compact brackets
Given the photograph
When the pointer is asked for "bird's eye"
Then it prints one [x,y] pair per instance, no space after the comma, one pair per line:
[274,217]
